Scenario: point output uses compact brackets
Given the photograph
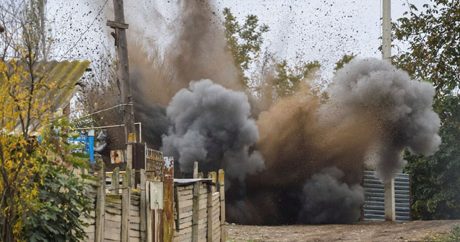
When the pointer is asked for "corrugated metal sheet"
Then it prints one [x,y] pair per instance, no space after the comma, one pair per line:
[56,83]
[374,208]
[66,75]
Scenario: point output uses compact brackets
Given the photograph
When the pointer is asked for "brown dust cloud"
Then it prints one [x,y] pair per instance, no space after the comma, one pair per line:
[298,160]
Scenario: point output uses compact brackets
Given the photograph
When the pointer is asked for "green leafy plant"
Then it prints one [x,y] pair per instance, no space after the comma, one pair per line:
[243,40]
[428,40]
[63,203]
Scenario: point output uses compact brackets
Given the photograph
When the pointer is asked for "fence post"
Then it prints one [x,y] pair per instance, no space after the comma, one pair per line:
[211,190]
[221,179]
[149,213]
[143,206]
[195,169]
[125,205]
[168,198]
[116,180]
[196,203]
[100,204]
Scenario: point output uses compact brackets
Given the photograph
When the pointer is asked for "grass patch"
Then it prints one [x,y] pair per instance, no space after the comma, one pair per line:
[452,236]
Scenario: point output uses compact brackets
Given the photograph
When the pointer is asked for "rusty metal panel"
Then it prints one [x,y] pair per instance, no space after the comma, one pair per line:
[154,164]
[168,211]
[117,156]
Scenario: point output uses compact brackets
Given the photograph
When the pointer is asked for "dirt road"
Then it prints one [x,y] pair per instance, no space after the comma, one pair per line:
[376,231]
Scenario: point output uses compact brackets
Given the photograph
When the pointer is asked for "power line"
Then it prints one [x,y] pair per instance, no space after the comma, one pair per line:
[87,29]
[105,109]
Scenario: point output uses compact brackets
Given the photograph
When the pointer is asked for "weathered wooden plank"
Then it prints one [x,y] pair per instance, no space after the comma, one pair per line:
[196,206]
[210,212]
[185,197]
[184,231]
[215,196]
[188,218]
[134,239]
[143,206]
[90,229]
[126,200]
[186,214]
[216,219]
[111,217]
[134,209]
[216,204]
[186,209]
[168,196]
[112,211]
[216,236]
[112,234]
[221,179]
[185,203]
[112,224]
[100,205]
[186,224]
[203,204]
[183,238]
[149,213]
[134,234]
[216,229]
[185,188]
[116,181]
[135,220]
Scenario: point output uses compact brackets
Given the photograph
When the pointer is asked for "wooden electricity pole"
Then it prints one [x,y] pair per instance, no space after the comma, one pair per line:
[123,69]
[120,28]
[389,186]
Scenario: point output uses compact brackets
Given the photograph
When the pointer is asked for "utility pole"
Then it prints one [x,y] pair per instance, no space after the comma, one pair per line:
[120,28]
[389,186]
[386,30]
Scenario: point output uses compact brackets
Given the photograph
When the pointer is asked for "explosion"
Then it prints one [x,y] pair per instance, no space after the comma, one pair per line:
[303,153]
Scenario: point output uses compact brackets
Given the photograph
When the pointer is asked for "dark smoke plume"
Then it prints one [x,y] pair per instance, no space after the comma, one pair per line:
[373,111]
[326,198]
[198,51]
[211,124]
[401,109]
[313,149]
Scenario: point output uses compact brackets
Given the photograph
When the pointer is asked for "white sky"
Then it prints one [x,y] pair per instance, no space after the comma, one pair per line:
[321,30]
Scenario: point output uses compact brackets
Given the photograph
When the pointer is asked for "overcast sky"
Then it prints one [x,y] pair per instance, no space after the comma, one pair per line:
[321,30]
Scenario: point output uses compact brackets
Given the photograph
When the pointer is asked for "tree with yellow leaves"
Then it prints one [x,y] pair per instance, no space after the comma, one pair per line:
[27,106]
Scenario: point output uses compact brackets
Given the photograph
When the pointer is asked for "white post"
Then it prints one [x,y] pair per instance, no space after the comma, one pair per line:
[389,186]
[386,30]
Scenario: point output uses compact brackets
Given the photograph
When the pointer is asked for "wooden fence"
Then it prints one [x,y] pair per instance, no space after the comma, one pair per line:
[156,208]
[200,208]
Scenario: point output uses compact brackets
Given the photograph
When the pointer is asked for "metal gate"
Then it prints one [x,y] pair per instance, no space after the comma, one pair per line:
[374,206]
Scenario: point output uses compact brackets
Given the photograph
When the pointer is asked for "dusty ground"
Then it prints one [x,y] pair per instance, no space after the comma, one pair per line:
[376,231]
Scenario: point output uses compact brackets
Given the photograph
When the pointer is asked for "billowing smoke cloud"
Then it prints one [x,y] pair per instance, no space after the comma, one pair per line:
[401,110]
[326,199]
[372,112]
[200,50]
[197,50]
[211,124]
[303,153]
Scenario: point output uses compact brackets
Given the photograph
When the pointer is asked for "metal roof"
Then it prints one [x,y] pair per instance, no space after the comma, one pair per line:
[187,181]
[65,74]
